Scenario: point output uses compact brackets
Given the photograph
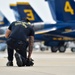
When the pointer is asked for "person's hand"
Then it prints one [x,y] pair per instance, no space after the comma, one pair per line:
[30,59]
[29,62]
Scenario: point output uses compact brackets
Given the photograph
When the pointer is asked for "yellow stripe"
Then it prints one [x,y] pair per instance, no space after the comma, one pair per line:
[40,32]
[23,3]
[12,4]
[1,23]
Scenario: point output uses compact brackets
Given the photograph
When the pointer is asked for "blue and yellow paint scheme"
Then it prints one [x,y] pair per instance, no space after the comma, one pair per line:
[63,12]
[4,23]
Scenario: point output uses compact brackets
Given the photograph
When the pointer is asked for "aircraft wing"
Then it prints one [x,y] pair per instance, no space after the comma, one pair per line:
[51,29]
[45,30]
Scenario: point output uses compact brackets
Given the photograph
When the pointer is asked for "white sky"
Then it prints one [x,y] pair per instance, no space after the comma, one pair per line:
[40,6]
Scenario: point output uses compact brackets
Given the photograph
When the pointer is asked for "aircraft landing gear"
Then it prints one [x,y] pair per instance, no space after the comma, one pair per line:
[73,49]
[62,49]
[54,49]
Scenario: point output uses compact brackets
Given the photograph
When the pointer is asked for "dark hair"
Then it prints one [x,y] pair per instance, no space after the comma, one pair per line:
[26,19]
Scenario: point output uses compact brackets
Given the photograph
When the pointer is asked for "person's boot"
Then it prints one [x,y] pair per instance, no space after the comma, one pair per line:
[9,63]
[18,59]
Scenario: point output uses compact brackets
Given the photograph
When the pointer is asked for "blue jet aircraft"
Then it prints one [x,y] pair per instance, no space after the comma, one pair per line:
[53,35]
[3,27]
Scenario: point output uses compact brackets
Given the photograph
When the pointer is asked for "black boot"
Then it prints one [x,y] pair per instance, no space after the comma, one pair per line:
[18,59]
[9,63]
[29,62]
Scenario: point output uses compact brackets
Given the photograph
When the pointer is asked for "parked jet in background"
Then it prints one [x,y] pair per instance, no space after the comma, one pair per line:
[53,35]
[20,14]
[3,27]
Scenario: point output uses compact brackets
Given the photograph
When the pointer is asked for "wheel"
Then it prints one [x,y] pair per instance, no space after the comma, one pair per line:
[54,49]
[73,49]
[42,49]
[62,49]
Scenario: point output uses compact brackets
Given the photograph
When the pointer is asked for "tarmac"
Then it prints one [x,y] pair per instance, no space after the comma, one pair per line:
[45,63]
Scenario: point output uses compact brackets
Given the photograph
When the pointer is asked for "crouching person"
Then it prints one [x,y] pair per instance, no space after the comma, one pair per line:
[20,35]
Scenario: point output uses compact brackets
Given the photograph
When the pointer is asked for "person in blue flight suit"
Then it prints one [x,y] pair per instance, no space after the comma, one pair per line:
[20,30]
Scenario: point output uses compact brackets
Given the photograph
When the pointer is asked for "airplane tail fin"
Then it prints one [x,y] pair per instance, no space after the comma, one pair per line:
[25,10]
[15,10]
[62,10]
[4,23]
[3,20]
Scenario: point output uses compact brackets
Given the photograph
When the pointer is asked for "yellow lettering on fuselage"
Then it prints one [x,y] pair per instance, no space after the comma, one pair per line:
[68,8]
[54,38]
[30,15]
[68,30]
[65,38]
[62,38]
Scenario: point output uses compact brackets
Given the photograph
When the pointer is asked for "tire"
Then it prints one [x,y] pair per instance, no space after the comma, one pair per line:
[73,49]
[42,49]
[54,49]
[62,49]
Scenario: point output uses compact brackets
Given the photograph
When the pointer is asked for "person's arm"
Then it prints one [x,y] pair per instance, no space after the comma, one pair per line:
[7,33]
[31,41]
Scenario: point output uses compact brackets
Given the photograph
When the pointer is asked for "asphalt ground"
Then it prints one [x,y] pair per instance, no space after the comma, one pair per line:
[45,63]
